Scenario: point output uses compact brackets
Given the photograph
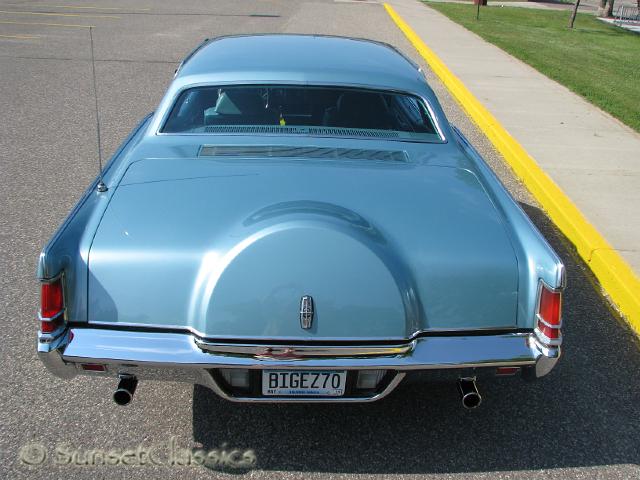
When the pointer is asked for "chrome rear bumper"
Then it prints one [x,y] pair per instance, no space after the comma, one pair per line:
[185,358]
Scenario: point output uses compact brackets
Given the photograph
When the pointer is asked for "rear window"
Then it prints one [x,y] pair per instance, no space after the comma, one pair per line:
[313,110]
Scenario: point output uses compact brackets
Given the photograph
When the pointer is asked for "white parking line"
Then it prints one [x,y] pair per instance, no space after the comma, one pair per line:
[45,24]
[20,37]
[12,12]
[83,7]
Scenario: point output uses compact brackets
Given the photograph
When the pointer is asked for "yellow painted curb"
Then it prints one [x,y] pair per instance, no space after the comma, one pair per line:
[613,272]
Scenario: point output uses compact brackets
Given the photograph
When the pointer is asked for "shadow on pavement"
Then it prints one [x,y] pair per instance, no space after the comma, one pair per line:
[583,414]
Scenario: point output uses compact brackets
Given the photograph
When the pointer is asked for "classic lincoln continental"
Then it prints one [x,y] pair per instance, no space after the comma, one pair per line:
[298,222]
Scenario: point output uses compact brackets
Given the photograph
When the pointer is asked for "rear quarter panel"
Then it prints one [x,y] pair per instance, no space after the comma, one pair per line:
[68,250]
[536,259]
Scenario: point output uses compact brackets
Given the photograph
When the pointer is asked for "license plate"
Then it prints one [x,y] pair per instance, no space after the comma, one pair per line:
[317,383]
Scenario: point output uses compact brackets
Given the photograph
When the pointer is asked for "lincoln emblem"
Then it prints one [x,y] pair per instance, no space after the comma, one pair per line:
[306,311]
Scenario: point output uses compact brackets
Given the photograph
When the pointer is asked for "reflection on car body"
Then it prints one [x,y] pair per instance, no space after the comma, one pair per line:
[298,209]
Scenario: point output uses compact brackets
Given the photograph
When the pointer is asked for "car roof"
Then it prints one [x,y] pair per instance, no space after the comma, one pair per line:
[318,59]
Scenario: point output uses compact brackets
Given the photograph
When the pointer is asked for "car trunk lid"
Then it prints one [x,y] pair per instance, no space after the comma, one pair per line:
[228,249]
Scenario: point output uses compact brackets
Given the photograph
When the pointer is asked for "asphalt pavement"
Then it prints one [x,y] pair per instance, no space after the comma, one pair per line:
[579,422]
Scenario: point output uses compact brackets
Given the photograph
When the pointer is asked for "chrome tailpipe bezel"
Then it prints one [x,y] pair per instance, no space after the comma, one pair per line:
[469,394]
[123,394]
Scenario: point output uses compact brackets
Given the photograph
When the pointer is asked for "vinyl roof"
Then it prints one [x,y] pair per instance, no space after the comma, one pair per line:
[301,58]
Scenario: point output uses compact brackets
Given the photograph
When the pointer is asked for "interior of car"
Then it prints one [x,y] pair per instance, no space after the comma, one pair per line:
[298,106]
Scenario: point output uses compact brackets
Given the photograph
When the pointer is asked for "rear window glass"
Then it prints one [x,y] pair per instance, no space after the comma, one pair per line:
[356,111]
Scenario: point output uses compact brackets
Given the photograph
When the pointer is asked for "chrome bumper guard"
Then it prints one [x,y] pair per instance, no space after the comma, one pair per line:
[185,358]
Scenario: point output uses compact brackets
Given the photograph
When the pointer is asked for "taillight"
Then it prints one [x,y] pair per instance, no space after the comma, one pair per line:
[549,315]
[549,308]
[51,305]
[48,326]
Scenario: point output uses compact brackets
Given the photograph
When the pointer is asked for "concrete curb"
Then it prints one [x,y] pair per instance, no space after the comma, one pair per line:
[613,272]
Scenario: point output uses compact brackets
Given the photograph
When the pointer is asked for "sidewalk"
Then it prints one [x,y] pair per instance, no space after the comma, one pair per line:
[541,5]
[591,156]
[586,6]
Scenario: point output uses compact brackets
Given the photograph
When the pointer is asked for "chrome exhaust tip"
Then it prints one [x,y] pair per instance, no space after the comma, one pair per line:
[126,388]
[469,394]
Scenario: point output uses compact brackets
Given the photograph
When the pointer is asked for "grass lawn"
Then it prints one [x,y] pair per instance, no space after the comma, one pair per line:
[498,2]
[595,60]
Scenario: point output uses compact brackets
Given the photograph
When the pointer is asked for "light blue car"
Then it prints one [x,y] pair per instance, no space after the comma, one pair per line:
[298,222]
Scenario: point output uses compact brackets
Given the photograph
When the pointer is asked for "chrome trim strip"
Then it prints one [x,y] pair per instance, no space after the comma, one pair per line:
[544,322]
[55,317]
[50,337]
[301,339]
[296,352]
[561,279]
[549,342]
[188,329]
[52,279]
